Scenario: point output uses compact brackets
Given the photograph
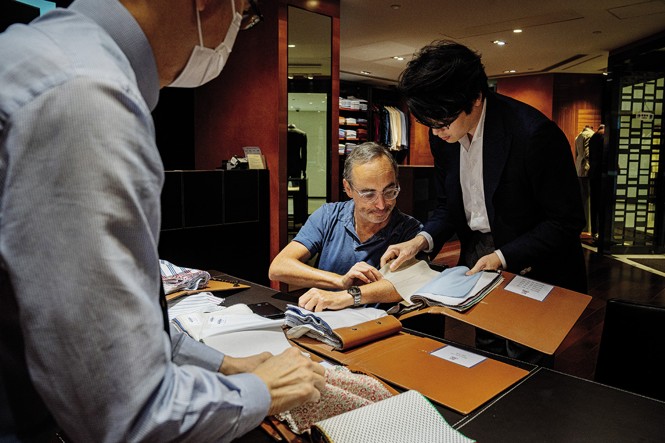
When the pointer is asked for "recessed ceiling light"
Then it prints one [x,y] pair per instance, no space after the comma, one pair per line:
[292,46]
[509,71]
[499,42]
[365,72]
[398,57]
[517,31]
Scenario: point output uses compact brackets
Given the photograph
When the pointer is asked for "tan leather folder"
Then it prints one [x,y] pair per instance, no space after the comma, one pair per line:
[540,325]
[405,361]
[368,331]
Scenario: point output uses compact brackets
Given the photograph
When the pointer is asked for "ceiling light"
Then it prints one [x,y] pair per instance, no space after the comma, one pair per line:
[365,72]
[292,46]
[517,31]
[398,57]
[395,6]
[509,71]
[499,42]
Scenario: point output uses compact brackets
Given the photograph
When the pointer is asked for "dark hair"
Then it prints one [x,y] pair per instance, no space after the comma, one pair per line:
[365,153]
[443,79]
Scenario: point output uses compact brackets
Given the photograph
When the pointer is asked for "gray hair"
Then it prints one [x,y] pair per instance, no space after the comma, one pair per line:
[365,153]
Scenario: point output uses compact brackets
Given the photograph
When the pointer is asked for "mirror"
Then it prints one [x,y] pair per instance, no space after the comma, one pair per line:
[309,113]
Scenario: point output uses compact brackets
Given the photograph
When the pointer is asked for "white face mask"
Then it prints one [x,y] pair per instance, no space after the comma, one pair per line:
[205,64]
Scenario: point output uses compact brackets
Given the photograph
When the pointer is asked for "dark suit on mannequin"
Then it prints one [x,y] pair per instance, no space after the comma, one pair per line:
[296,160]
[531,193]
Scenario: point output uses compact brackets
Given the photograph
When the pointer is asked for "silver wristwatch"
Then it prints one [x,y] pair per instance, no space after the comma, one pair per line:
[355,293]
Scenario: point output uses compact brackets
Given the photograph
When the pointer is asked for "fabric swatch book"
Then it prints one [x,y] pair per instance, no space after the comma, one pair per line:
[407,417]
[421,286]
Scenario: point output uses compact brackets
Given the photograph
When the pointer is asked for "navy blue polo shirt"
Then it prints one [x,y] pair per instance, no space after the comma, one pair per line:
[330,231]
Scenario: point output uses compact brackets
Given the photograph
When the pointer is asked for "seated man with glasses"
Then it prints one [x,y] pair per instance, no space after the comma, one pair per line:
[349,237]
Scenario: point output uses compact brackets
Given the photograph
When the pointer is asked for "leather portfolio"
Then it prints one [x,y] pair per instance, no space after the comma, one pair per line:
[404,360]
[367,332]
[541,325]
[212,286]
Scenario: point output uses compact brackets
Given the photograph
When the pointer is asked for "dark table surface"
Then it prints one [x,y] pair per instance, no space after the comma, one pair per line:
[546,406]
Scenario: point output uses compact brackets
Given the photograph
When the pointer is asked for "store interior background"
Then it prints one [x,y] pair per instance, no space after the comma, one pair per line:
[568,60]
[578,62]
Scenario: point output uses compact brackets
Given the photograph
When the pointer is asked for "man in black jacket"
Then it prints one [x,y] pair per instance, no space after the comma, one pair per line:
[506,180]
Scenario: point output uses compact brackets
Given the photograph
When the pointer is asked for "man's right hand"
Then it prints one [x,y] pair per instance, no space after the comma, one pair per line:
[401,252]
[292,380]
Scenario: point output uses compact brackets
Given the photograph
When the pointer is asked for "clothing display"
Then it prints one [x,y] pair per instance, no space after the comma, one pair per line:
[97,338]
[296,158]
[330,232]
[390,127]
[582,151]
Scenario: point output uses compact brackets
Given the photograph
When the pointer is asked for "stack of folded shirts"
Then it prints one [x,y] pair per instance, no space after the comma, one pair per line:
[320,326]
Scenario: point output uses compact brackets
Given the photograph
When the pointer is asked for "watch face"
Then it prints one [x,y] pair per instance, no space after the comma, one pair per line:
[356,294]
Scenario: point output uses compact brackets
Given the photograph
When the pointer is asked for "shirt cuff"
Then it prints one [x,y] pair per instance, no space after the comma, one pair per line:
[430,241]
[187,351]
[502,258]
[257,400]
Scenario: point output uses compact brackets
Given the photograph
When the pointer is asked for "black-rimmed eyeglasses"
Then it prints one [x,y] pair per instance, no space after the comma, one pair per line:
[443,124]
[251,16]
[389,194]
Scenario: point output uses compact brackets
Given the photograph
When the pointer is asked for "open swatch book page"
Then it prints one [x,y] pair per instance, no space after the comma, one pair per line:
[452,288]
[407,417]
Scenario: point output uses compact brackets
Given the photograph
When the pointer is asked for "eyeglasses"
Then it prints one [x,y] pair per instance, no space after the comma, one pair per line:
[371,196]
[251,16]
[444,124]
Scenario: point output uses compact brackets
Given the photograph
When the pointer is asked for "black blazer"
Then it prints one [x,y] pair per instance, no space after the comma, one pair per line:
[531,192]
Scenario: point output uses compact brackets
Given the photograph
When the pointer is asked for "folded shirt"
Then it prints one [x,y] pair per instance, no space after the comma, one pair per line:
[176,278]
[320,325]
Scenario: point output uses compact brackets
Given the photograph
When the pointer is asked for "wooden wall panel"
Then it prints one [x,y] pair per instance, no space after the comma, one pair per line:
[536,90]
[420,154]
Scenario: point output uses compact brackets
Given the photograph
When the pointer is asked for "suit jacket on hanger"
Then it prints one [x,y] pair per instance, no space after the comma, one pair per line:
[531,192]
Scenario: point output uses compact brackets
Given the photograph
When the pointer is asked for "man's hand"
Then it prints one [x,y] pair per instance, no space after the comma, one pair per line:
[361,273]
[292,380]
[489,262]
[233,365]
[318,299]
[402,252]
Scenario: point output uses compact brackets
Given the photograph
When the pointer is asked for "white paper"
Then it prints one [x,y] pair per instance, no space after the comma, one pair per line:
[247,343]
[458,356]
[529,288]
[409,277]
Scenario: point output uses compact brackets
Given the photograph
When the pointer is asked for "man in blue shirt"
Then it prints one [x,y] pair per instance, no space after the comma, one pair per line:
[85,348]
[349,237]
